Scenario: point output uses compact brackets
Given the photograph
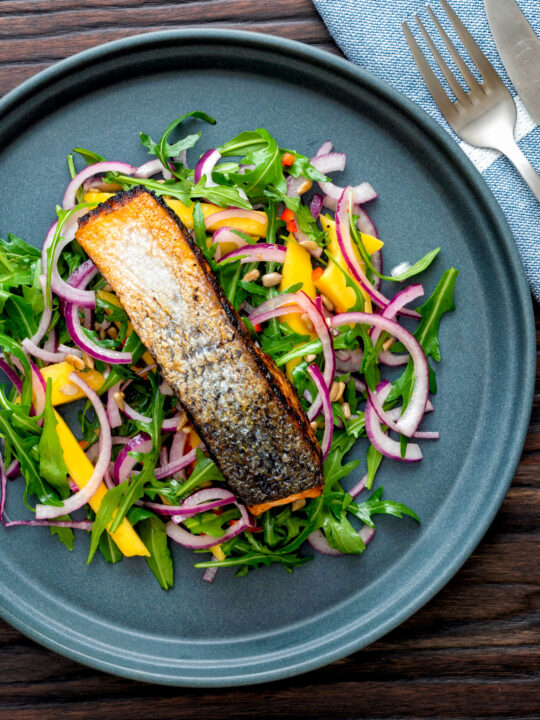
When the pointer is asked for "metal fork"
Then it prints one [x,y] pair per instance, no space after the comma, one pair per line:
[486,115]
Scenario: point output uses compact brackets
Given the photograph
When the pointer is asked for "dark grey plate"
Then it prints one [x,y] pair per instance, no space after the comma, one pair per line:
[270,624]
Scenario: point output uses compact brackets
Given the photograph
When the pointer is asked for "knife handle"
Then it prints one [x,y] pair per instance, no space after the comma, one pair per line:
[522,165]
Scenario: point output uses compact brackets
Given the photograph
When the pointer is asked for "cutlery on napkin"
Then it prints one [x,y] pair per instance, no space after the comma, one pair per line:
[369,33]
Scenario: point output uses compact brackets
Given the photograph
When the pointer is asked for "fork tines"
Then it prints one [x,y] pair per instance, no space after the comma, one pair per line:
[447,107]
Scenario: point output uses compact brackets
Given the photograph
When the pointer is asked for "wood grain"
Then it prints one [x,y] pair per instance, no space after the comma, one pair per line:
[472,652]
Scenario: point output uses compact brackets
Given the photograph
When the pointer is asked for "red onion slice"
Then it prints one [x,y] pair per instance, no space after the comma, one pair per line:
[39,388]
[205,166]
[275,302]
[124,463]
[70,196]
[163,455]
[14,470]
[46,315]
[359,385]
[318,542]
[359,487]
[256,317]
[362,193]
[391,417]
[49,357]
[73,524]
[225,235]
[343,233]
[323,333]
[80,498]
[113,411]
[177,445]
[294,185]
[165,389]
[384,444]
[77,334]
[366,533]
[210,573]
[319,325]
[315,205]
[6,522]
[234,213]
[151,168]
[201,501]
[132,414]
[409,421]
[172,468]
[324,394]
[11,374]
[51,343]
[203,542]
[336,161]
[170,424]
[402,298]
[329,162]
[349,360]
[325,148]
[64,290]
[262,252]
[366,225]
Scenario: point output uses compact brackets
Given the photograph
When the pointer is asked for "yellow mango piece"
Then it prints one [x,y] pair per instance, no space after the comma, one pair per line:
[296,269]
[59,374]
[185,213]
[95,196]
[332,283]
[193,439]
[372,244]
[80,470]
[246,225]
[217,552]
[109,297]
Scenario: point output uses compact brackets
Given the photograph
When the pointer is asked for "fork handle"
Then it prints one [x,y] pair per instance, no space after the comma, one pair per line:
[523,166]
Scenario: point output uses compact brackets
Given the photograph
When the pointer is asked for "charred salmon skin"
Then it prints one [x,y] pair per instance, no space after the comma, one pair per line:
[243,407]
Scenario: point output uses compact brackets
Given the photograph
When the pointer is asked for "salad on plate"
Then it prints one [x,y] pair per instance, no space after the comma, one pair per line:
[265,250]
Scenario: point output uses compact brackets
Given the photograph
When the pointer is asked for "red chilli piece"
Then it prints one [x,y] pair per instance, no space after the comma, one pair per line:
[288,159]
[287,215]
[292,227]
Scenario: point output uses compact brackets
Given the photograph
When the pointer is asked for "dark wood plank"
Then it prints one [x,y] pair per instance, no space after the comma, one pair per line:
[472,652]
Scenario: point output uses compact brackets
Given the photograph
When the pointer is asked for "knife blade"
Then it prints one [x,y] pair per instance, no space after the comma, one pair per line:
[519,48]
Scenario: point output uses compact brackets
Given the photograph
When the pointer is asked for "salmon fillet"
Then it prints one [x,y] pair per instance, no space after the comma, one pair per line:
[243,407]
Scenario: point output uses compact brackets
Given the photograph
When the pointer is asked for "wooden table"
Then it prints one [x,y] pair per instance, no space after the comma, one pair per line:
[472,652]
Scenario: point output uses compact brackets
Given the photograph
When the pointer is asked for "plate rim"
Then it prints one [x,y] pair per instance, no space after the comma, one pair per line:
[524,307]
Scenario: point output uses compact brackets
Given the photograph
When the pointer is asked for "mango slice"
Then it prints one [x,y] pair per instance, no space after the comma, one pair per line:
[80,470]
[332,282]
[64,391]
[296,269]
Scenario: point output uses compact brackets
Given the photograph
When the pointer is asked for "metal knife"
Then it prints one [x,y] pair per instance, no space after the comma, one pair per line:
[519,48]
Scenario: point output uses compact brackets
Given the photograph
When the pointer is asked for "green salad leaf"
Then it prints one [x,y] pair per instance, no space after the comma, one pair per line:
[153,535]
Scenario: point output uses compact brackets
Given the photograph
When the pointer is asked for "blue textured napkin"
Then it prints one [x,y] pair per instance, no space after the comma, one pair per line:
[369,33]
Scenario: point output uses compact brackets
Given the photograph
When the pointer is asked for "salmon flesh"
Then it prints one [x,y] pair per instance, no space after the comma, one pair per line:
[243,407]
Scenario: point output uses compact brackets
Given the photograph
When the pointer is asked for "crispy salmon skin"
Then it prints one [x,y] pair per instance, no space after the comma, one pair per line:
[243,407]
